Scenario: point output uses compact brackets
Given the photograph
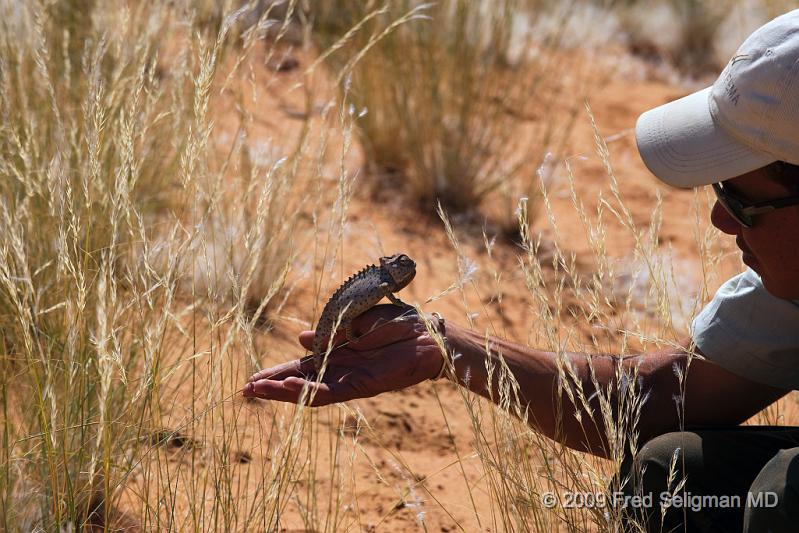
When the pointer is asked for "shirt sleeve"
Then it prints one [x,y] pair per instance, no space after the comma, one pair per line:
[750,332]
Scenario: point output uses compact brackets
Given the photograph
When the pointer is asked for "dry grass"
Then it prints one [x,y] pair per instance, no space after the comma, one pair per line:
[446,114]
[139,244]
[521,465]
[147,241]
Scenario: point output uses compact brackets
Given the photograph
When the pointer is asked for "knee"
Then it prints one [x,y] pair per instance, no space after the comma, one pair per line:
[773,499]
[658,467]
[781,476]
[662,458]
[668,448]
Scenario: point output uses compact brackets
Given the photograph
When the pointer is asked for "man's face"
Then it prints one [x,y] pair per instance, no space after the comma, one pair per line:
[771,246]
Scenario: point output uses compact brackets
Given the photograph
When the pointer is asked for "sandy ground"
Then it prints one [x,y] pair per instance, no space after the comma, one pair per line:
[406,460]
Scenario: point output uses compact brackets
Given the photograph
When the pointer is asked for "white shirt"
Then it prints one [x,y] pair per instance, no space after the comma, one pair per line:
[751,333]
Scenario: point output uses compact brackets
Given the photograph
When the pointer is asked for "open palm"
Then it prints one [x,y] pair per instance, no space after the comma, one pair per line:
[394,350]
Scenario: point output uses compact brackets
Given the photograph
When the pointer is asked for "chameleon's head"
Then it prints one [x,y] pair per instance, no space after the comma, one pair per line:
[400,267]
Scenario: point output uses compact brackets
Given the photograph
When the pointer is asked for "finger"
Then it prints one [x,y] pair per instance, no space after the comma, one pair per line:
[378,327]
[296,390]
[389,325]
[298,367]
[321,393]
[383,314]
[270,389]
[284,369]
[339,339]
[306,339]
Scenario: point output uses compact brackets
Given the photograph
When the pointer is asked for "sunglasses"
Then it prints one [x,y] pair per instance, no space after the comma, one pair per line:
[743,211]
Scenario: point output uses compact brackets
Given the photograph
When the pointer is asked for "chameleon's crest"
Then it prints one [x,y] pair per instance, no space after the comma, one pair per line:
[360,292]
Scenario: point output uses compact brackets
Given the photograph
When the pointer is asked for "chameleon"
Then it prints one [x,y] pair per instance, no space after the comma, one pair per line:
[359,293]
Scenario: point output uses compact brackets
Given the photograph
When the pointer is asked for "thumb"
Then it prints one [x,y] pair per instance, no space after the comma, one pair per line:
[306,339]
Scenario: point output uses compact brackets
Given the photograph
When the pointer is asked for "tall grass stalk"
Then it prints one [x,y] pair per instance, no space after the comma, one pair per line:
[447,99]
[521,465]
[145,243]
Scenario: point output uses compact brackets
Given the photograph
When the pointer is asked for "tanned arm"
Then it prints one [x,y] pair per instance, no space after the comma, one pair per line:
[712,396]
[402,353]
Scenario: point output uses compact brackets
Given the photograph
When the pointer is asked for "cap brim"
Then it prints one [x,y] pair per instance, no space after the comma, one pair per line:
[682,145]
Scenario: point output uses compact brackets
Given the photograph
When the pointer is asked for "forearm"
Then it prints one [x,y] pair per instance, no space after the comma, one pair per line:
[542,380]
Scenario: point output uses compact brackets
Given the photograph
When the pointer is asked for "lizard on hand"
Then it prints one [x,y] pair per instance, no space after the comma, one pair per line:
[359,293]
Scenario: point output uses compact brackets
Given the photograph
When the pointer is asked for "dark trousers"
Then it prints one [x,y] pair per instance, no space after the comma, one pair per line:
[735,479]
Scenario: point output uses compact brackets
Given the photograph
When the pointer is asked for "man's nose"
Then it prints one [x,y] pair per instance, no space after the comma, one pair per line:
[720,218]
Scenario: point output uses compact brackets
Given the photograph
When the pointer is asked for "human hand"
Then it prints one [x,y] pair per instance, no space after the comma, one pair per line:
[394,350]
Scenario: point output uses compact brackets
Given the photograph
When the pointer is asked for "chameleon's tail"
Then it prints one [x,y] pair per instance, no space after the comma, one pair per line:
[318,349]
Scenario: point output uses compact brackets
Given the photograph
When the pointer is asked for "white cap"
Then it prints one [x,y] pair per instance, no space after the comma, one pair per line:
[747,119]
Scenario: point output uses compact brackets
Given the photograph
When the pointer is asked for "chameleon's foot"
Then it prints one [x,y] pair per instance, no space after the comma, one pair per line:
[396,301]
